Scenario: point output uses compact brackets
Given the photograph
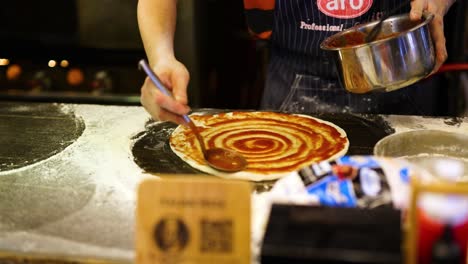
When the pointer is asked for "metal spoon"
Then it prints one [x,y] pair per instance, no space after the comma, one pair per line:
[218,158]
[376,29]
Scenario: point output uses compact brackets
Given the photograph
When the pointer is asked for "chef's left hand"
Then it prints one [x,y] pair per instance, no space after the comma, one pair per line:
[439,8]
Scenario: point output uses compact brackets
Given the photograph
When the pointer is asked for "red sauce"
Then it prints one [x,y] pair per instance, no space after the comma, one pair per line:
[355,38]
[350,39]
[225,160]
[270,142]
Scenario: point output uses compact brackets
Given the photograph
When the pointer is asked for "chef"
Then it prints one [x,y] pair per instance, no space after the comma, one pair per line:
[298,68]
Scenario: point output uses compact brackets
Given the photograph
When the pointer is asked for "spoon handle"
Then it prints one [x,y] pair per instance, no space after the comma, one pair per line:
[376,29]
[158,83]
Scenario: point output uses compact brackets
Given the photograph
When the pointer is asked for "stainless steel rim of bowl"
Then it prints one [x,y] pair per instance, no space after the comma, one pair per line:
[420,142]
[428,17]
[443,154]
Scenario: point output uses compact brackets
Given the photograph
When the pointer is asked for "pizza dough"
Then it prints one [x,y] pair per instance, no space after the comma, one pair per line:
[274,144]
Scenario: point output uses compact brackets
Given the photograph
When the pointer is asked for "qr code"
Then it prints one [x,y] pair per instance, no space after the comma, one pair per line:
[216,236]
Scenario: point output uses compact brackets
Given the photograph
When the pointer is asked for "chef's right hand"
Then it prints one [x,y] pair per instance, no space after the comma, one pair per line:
[439,8]
[175,76]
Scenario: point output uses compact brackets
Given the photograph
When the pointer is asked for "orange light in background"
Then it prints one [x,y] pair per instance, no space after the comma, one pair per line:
[52,63]
[13,72]
[75,77]
[64,63]
[4,62]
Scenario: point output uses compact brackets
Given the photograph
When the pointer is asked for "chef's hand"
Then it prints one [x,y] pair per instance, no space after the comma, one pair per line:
[175,76]
[439,8]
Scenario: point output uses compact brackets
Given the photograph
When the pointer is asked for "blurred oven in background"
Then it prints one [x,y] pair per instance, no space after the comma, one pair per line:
[87,51]
[74,50]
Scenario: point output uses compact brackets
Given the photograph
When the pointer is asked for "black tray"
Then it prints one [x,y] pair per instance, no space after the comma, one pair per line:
[35,131]
[151,150]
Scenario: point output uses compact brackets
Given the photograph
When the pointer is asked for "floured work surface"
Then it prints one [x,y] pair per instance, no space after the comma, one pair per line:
[153,154]
[33,132]
[78,202]
[10,258]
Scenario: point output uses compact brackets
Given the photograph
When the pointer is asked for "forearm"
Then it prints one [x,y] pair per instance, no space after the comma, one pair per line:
[157,22]
[446,4]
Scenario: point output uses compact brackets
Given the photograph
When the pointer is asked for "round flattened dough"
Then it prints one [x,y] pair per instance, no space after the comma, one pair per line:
[274,144]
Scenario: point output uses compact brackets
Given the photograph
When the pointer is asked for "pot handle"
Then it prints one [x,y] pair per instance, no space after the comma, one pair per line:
[453,67]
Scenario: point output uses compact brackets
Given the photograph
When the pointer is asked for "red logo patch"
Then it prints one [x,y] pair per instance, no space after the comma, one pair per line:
[344,8]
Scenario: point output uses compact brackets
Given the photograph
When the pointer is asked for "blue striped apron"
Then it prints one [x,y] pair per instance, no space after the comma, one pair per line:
[302,78]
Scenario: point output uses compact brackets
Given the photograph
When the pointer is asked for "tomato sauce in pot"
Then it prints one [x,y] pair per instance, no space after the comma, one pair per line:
[356,38]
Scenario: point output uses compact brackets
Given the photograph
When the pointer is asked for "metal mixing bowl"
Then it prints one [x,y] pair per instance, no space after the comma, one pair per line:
[402,54]
[428,149]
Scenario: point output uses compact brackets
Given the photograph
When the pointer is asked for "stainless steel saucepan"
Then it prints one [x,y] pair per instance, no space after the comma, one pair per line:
[402,54]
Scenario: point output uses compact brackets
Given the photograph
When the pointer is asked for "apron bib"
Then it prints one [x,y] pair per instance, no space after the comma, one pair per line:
[302,78]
